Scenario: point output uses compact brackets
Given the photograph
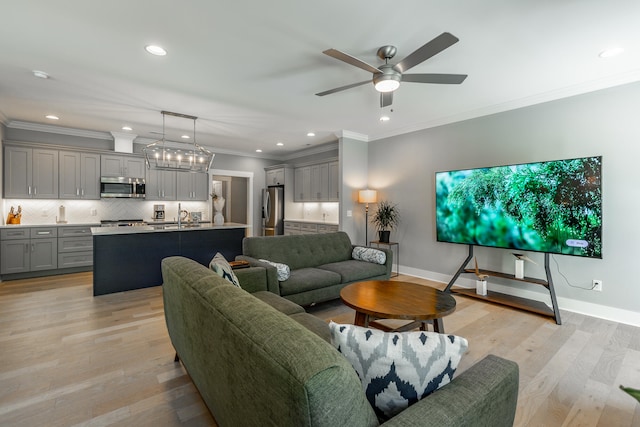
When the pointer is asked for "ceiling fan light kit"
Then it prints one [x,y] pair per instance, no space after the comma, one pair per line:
[387,77]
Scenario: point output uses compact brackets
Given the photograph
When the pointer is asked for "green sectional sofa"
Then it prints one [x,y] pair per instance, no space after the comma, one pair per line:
[259,360]
[320,264]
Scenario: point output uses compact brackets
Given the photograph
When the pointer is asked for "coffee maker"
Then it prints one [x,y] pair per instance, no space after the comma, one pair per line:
[158,212]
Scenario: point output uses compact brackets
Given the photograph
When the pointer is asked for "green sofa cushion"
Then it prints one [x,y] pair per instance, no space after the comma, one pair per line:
[353,270]
[307,279]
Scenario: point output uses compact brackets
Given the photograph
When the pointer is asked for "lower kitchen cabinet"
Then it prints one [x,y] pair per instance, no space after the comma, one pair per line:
[24,250]
[28,249]
[306,227]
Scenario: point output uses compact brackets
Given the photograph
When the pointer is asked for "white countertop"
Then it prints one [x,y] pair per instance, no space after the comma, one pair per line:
[54,224]
[312,221]
[105,231]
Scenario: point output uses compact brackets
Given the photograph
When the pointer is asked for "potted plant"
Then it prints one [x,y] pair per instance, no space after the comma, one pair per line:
[385,218]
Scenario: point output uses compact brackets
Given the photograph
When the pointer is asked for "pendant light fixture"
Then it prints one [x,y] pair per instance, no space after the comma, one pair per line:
[176,155]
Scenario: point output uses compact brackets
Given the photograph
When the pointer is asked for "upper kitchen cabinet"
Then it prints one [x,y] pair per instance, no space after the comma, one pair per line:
[317,182]
[126,166]
[275,176]
[79,175]
[161,185]
[30,173]
[193,186]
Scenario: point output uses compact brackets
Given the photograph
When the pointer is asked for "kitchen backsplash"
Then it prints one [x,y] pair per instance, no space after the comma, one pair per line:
[82,211]
[323,212]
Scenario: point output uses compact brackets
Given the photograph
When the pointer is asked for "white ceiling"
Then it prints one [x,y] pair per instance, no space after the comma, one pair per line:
[249,69]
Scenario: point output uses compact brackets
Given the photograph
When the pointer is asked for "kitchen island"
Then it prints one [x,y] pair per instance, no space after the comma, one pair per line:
[127,258]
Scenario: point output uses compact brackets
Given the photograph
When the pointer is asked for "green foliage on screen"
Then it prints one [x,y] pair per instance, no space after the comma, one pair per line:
[544,207]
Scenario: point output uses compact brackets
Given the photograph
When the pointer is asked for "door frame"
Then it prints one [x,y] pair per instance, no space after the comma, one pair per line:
[239,174]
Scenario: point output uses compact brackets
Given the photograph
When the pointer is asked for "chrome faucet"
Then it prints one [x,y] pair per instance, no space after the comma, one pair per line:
[180,212]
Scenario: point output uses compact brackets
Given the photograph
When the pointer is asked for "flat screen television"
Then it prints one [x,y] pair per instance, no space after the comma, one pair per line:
[553,206]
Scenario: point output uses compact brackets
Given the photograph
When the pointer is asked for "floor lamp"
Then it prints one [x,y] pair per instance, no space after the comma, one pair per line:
[367,196]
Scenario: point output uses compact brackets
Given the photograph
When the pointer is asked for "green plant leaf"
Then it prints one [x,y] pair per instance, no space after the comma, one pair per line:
[635,393]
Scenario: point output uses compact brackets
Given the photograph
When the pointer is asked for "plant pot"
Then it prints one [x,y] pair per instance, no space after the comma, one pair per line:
[383,236]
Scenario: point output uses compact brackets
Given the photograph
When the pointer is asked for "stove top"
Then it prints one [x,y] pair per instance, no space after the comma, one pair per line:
[122,222]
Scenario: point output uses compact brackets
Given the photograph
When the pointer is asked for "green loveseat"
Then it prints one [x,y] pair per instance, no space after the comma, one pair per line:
[321,265]
[260,360]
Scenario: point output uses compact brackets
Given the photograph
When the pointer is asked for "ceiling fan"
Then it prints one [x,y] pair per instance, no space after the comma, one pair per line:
[387,77]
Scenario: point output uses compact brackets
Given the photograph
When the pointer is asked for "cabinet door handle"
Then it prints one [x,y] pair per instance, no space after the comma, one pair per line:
[77,191]
[26,248]
[42,233]
[35,191]
[33,247]
[29,190]
[82,192]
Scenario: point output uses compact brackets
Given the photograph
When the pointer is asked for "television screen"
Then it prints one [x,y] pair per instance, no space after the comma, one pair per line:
[553,207]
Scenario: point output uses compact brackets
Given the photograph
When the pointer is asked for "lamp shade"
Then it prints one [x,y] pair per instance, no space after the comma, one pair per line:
[367,196]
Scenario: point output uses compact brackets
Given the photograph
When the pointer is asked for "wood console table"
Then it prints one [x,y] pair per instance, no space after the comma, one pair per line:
[510,300]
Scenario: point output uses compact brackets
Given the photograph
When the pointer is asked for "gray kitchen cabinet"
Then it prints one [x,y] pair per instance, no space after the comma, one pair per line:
[161,185]
[275,176]
[79,175]
[302,184]
[119,165]
[320,182]
[193,186]
[75,247]
[28,249]
[30,173]
[334,181]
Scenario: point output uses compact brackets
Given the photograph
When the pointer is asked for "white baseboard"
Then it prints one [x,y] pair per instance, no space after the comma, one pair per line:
[576,306]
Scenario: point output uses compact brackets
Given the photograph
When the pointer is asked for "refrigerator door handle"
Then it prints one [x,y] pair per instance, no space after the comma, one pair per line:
[266,208]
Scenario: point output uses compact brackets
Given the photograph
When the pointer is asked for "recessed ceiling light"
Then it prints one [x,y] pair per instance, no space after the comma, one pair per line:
[40,74]
[185,137]
[608,53]
[311,134]
[279,144]
[127,128]
[384,118]
[155,50]
[258,151]
[52,117]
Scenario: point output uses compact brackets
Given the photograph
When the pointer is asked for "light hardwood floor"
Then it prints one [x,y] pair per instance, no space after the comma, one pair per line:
[69,359]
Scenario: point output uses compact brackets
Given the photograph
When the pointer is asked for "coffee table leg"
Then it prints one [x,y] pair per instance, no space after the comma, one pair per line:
[438,326]
[361,319]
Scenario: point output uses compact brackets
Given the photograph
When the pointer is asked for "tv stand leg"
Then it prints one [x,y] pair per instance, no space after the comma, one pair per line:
[552,292]
[460,270]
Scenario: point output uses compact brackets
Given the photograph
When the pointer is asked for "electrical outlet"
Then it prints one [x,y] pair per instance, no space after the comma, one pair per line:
[596,285]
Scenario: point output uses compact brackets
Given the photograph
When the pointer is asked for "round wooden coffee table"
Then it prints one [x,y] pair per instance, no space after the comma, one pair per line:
[388,299]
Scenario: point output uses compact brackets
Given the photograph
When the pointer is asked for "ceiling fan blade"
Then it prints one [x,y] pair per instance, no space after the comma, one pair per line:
[447,79]
[341,88]
[352,60]
[386,98]
[428,50]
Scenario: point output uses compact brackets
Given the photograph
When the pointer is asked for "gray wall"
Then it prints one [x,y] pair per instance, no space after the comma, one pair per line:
[600,123]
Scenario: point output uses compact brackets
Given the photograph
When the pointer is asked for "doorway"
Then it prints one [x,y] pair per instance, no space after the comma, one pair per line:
[237,189]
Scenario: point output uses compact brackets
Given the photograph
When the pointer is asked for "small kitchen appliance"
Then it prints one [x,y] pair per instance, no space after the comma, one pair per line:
[158,212]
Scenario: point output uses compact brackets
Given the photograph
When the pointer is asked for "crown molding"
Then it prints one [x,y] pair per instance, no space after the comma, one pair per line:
[15,124]
[330,146]
[352,135]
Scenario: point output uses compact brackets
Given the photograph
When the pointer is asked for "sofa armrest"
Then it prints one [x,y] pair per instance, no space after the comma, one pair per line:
[252,279]
[273,285]
[484,395]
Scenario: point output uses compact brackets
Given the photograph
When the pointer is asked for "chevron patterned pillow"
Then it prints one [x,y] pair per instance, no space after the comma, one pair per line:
[221,267]
[398,368]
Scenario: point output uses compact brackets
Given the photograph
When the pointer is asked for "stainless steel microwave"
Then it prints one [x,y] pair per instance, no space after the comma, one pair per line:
[122,187]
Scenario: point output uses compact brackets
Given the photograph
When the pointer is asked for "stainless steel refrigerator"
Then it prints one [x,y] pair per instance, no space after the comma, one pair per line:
[273,210]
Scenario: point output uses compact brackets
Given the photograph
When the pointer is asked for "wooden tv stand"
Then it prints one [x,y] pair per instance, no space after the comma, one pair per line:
[509,300]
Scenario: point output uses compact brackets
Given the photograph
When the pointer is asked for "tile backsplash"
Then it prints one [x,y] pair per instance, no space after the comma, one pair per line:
[93,211]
